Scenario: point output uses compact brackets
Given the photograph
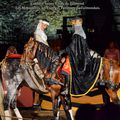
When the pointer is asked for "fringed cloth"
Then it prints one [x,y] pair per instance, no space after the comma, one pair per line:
[47,57]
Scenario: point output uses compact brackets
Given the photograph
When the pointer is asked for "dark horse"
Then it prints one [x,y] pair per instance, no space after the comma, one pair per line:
[38,67]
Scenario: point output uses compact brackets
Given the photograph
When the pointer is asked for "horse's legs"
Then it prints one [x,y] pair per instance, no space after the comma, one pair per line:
[58,105]
[7,101]
[66,102]
[14,107]
[105,96]
[113,95]
[37,101]
[10,98]
[7,115]
[66,99]
[19,80]
[57,101]
[55,105]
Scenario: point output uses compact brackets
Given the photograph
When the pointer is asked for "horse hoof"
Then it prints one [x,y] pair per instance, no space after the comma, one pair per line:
[54,118]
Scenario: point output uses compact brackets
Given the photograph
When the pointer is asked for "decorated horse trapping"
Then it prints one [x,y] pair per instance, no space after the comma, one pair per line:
[30,68]
[110,79]
[38,67]
[110,74]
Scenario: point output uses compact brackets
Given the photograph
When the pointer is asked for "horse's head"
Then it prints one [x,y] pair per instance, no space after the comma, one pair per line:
[11,50]
[30,43]
[111,70]
[29,51]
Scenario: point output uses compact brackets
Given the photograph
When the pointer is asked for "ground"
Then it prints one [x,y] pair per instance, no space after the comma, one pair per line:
[84,112]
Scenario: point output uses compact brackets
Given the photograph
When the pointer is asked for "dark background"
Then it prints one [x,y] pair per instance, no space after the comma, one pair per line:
[101,26]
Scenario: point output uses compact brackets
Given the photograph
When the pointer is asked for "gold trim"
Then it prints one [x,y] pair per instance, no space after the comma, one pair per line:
[101,61]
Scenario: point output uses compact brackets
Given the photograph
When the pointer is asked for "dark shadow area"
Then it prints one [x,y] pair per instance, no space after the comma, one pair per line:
[100,24]
[90,112]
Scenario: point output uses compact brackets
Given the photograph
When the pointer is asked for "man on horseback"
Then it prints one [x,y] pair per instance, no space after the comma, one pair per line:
[46,53]
[40,36]
[47,57]
[49,60]
[38,68]
[85,63]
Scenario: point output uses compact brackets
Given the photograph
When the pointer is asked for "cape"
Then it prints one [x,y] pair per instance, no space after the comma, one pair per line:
[85,68]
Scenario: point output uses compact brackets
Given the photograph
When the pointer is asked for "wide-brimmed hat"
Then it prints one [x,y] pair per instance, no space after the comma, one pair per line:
[76,21]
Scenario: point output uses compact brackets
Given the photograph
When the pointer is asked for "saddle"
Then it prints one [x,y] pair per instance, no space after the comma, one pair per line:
[15,56]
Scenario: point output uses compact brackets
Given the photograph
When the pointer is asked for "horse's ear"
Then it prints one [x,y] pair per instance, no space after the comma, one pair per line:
[30,43]
[31,40]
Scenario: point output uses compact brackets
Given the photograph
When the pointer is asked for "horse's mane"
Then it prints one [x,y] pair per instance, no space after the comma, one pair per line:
[29,51]
[45,55]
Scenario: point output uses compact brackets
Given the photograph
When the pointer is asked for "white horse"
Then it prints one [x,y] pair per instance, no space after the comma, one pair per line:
[40,75]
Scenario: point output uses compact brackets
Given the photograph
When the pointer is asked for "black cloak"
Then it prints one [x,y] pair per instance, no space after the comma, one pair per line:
[84,66]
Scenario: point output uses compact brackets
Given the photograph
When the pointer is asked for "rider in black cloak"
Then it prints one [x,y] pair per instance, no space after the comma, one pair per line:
[85,63]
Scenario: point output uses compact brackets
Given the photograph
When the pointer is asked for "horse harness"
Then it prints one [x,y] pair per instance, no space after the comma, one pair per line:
[109,81]
[28,61]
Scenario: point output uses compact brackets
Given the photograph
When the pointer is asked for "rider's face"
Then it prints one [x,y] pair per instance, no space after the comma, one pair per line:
[44,26]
